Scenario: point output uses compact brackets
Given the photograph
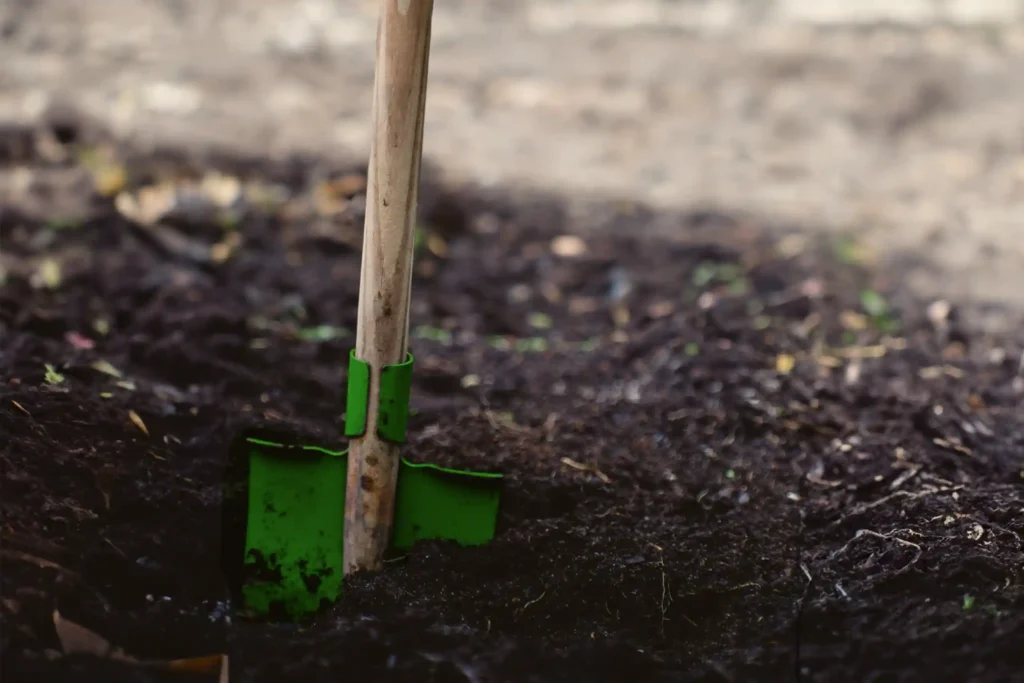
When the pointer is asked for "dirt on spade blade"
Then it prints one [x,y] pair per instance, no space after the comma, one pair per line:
[731,454]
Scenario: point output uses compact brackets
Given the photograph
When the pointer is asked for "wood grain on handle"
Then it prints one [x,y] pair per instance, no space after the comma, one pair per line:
[399,96]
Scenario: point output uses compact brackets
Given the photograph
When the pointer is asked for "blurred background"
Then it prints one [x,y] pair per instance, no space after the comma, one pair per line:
[899,120]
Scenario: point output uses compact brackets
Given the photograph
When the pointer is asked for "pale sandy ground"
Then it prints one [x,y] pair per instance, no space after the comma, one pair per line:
[901,120]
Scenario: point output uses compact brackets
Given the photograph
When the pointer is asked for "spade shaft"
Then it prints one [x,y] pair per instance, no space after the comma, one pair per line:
[399,96]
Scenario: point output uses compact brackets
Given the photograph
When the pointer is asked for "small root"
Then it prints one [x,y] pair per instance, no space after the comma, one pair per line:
[861,509]
[888,537]
[583,467]
[531,602]
[666,591]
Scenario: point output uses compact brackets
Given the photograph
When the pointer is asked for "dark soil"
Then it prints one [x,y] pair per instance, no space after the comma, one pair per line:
[681,503]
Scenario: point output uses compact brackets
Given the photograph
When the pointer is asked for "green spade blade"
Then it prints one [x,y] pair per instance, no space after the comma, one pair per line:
[293,561]
[434,502]
[296,516]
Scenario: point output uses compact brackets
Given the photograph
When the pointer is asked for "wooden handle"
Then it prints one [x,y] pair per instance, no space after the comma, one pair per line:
[399,96]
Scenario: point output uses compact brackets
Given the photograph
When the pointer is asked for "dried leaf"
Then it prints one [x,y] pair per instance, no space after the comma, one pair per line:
[109,179]
[76,639]
[225,249]
[106,368]
[137,421]
[328,201]
[207,664]
[126,205]
[568,246]
[147,206]
[348,186]
[862,352]
[938,312]
[853,321]
[223,190]
[437,246]
[829,361]
[48,274]
[784,363]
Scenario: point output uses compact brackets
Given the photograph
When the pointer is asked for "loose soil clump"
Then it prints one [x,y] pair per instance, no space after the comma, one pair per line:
[731,454]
